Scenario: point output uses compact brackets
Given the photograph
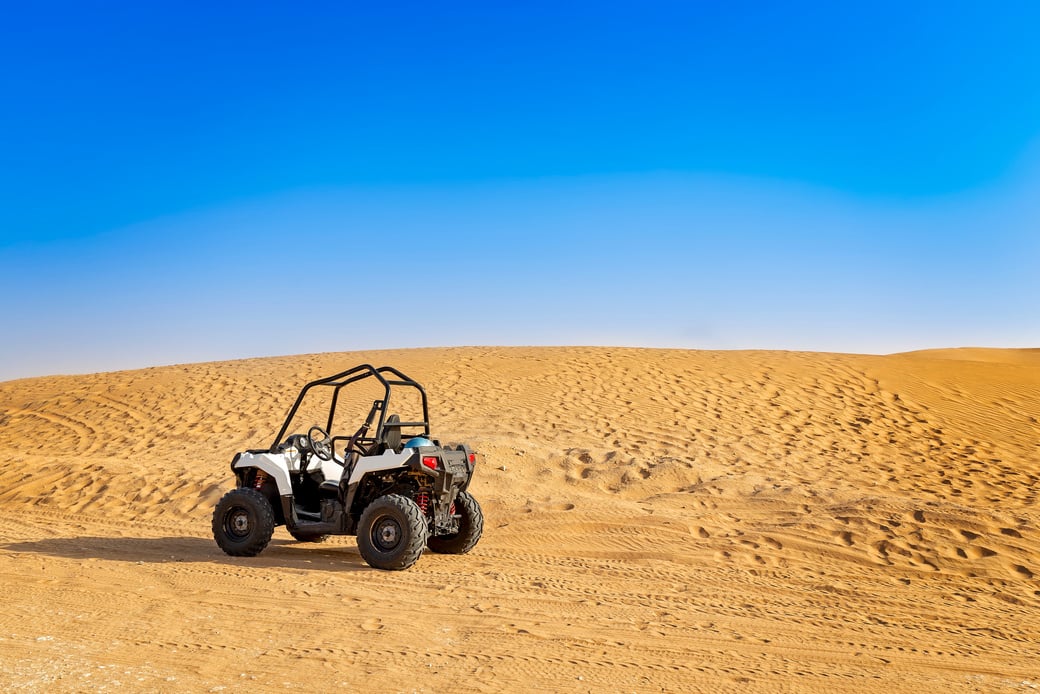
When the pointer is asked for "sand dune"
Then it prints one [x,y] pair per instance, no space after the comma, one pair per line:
[657,520]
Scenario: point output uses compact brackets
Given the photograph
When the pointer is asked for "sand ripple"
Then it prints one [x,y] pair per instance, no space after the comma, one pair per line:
[657,520]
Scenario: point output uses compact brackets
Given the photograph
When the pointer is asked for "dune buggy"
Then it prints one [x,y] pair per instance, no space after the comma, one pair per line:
[387,481]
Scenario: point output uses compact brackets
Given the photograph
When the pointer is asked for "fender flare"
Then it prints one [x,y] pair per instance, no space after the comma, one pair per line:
[271,463]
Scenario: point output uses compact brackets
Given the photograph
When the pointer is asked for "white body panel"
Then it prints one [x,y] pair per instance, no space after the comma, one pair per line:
[329,468]
[387,461]
[274,464]
[279,465]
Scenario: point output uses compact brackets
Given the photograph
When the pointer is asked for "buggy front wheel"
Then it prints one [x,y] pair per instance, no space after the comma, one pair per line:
[243,522]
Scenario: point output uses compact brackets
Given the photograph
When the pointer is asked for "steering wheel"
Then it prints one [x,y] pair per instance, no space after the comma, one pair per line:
[322,447]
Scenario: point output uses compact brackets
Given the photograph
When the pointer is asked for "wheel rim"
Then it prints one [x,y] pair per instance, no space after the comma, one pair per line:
[236,523]
[386,533]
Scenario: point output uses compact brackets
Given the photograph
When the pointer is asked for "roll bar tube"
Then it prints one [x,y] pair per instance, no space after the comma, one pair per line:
[345,378]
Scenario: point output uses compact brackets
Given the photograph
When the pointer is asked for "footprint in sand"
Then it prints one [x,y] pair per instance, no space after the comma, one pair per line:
[1022,571]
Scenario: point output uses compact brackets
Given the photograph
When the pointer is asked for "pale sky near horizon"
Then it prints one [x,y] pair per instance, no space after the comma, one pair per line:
[183,183]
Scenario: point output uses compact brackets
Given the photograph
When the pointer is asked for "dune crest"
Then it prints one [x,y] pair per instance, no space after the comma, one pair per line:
[656,520]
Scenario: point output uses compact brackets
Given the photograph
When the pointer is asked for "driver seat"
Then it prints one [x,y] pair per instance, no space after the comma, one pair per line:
[391,438]
[391,433]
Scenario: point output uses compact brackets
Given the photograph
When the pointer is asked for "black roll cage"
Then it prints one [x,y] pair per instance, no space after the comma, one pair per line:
[345,378]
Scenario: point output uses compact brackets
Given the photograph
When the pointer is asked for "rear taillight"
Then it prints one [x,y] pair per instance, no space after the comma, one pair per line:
[430,462]
[472,457]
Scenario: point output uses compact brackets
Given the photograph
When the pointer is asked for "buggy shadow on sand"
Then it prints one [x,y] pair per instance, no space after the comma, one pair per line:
[389,481]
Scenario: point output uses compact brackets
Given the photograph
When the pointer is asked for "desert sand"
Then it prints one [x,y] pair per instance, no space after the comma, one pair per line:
[656,520]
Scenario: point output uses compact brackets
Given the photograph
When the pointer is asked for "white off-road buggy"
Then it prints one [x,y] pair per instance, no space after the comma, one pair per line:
[399,493]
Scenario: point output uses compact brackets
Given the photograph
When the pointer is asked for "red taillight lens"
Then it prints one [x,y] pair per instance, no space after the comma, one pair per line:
[472,457]
[430,462]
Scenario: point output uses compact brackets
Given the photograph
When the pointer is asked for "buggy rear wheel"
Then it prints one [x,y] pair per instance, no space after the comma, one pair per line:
[243,522]
[392,533]
[471,527]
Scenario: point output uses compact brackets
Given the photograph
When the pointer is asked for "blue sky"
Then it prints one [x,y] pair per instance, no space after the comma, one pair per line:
[183,182]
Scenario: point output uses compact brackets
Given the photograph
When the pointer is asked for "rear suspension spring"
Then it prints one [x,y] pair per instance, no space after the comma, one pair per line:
[423,500]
